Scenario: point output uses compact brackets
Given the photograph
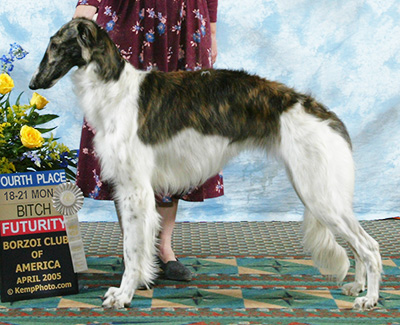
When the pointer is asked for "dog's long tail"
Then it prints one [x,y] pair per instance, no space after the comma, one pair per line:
[318,158]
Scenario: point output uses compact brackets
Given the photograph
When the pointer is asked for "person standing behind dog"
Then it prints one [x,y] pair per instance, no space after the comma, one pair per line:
[167,35]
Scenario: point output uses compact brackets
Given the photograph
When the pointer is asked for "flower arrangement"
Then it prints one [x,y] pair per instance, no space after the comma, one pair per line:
[23,146]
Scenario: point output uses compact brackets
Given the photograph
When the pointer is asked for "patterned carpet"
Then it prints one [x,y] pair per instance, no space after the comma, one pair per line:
[235,281]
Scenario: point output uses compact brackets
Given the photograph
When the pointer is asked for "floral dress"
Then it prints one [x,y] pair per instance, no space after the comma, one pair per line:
[167,35]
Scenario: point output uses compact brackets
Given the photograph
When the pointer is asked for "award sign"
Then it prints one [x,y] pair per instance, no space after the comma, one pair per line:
[35,256]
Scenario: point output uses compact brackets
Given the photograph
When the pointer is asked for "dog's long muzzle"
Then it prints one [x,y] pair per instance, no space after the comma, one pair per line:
[47,74]
[39,81]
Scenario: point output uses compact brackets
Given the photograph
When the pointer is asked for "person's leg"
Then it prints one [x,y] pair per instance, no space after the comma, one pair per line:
[168,216]
[173,269]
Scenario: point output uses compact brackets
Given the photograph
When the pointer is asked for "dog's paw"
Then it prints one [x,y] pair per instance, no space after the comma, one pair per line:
[115,298]
[353,289]
[365,303]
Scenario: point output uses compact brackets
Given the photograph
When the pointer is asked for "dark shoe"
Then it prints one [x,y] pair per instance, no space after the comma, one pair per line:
[175,270]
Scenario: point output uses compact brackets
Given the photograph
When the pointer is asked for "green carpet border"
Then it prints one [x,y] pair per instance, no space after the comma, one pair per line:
[205,315]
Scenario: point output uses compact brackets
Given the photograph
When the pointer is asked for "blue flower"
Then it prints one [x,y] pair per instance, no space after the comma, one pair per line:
[16,51]
[151,12]
[6,64]
[108,12]
[197,37]
[110,25]
[64,160]
[161,28]
[141,14]
[203,30]
[177,28]
[33,157]
[95,193]
[150,37]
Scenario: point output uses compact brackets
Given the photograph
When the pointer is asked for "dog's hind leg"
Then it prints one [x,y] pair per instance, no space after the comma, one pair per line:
[140,224]
[320,165]
[321,243]
[358,286]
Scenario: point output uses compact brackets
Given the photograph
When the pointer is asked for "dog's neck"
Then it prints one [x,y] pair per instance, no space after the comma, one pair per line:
[96,94]
[107,61]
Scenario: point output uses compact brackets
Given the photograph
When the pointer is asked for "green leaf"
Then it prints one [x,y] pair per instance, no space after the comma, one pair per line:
[42,119]
[72,164]
[17,102]
[51,139]
[7,102]
[44,130]
[70,174]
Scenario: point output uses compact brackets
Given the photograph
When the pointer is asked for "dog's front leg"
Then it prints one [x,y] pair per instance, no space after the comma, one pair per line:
[140,224]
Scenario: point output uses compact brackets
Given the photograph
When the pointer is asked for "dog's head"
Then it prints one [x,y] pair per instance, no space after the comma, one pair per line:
[77,43]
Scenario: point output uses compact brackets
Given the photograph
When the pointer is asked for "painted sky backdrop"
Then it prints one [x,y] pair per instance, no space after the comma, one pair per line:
[344,53]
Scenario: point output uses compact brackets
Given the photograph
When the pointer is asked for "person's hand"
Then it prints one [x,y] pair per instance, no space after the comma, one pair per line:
[214,47]
[85,11]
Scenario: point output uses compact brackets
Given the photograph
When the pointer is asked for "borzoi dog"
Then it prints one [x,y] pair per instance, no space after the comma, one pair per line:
[169,132]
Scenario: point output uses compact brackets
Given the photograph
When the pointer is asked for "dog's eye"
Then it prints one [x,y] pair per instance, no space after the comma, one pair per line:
[53,46]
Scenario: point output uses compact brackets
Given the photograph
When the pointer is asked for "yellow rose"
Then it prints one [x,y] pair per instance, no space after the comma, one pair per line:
[38,100]
[30,137]
[6,83]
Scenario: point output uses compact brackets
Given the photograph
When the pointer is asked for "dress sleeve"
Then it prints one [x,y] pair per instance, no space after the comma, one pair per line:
[212,10]
[94,3]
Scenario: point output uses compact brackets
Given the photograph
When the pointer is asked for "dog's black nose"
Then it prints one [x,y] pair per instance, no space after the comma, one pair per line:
[32,85]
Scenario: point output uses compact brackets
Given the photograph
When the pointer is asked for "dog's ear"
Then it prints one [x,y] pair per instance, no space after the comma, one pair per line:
[86,33]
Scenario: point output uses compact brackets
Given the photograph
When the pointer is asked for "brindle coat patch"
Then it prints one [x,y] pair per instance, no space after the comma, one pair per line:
[229,103]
